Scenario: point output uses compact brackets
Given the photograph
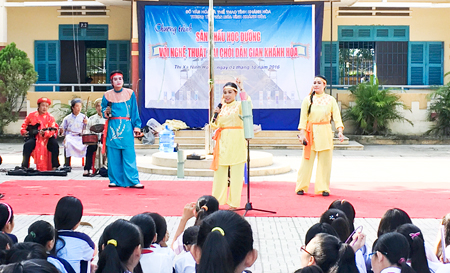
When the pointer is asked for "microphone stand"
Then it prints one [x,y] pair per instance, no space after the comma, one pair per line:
[248,205]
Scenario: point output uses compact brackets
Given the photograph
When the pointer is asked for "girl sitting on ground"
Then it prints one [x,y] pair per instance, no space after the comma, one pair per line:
[160,245]
[392,219]
[151,261]
[204,206]
[390,252]
[362,255]
[43,233]
[7,221]
[347,208]
[120,248]
[330,254]
[417,250]
[75,247]
[224,244]
[185,262]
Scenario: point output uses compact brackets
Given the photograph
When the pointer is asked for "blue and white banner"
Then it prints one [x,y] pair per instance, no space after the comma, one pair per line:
[271,48]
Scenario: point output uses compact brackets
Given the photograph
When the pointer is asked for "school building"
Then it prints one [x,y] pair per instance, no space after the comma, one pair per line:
[75,44]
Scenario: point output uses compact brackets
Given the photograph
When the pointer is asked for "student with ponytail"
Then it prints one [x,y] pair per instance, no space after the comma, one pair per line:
[43,233]
[120,248]
[75,247]
[330,254]
[417,250]
[389,254]
[151,261]
[315,133]
[224,244]
[7,221]
[204,206]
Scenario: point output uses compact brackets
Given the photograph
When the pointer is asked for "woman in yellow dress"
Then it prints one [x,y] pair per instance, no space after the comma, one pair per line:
[231,147]
[316,134]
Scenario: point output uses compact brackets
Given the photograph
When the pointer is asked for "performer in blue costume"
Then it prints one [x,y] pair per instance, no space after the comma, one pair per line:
[119,107]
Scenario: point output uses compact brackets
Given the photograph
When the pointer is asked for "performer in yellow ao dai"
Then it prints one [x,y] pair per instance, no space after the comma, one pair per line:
[315,130]
[231,147]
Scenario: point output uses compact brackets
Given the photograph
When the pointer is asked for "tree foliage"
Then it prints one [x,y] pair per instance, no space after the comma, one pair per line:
[61,110]
[16,76]
[439,110]
[374,109]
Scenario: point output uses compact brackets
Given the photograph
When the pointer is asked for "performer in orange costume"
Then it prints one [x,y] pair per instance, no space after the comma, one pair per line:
[44,141]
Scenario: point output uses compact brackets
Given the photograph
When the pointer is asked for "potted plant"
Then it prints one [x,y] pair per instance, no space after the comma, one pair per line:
[373,109]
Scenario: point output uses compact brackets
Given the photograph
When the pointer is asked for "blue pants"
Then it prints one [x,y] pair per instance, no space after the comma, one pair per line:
[122,169]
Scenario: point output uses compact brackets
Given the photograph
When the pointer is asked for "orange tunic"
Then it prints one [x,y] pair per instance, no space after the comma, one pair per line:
[45,120]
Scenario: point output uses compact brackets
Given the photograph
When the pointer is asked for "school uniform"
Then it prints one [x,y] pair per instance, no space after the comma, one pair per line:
[445,268]
[62,265]
[391,270]
[13,238]
[360,260]
[155,261]
[164,250]
[185,263]
[178,246]
[76,248]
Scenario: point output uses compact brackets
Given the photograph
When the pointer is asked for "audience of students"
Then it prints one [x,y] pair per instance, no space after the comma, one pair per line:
[219,242]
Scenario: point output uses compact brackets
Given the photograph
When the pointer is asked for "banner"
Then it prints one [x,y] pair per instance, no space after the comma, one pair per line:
[271,48]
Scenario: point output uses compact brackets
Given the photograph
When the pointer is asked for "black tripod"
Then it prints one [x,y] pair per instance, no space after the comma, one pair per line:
[248,205]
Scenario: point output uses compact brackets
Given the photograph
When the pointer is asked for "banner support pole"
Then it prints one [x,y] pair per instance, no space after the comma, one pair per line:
[331,48]
[209,143]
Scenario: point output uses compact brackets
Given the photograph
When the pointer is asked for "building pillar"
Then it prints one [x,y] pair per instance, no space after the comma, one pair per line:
[134,50]
[3,25]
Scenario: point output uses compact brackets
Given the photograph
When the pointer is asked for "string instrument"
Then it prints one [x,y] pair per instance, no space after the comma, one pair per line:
[33,131]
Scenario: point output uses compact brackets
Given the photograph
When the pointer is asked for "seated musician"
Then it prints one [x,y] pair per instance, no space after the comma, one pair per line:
[40,130]
[93,120]
[72,127]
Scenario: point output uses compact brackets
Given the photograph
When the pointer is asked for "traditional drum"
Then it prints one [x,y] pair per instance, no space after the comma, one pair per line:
[89,139]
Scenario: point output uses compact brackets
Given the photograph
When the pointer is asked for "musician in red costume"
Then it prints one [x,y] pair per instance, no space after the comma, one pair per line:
[45,139]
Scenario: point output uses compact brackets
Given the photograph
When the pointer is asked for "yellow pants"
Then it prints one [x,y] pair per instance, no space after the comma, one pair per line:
[323,172]
[220,184]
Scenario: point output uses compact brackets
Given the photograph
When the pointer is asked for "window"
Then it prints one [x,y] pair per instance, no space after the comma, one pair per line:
[95,63]
[384,51]
[359,60]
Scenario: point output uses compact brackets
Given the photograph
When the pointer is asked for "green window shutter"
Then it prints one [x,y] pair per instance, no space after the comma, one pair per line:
[435,69]
[46,63]
[118,58]
[91,33]
[326,58]
[416,67]
[426,63]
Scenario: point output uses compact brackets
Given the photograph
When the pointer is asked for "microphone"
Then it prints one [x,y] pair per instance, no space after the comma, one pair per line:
[216,114]
[109,105]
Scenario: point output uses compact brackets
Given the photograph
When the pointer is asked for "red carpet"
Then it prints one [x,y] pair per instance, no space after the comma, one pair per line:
[169,197]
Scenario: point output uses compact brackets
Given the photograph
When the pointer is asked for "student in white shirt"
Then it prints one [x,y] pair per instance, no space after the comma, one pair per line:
[224,244]
[330,254]
[43,233]
[389,255]
[120,248]
[75,247]
[417,254]
[160,245]
[185,263]
[151,260]
[204,206]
